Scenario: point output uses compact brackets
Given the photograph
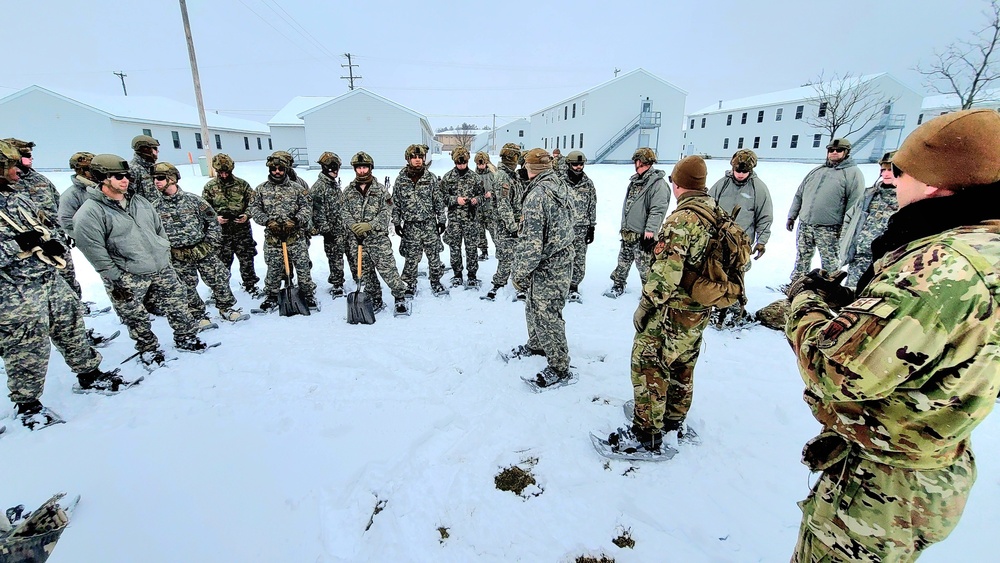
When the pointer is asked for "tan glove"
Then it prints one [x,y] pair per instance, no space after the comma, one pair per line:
[641,315]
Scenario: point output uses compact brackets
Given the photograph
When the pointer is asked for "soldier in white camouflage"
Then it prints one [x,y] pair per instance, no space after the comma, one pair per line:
[37,307]
[463,193]
[584,194]
[418,216]
[327,200]
[230,197]
[74,196]
[147,150]
[486,214]
[866,221]
[194,233]
[559,163]
[283,207]
[508,199]
[366,214]
[901,373]
[543,265]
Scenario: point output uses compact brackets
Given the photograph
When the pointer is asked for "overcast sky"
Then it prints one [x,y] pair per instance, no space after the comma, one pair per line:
[457,62]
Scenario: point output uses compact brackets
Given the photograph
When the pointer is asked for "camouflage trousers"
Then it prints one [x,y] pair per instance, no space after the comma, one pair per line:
[857,266]
[809,238]
[337,250]
[299,265]
[543,308]
[487,222]
[421,237]
[215,276]
[463,230]
[505,259]
[238,241]
[377,256]
[579,256]
[663,358]
[628,253]
[864,511]
[32,314]
[164,289]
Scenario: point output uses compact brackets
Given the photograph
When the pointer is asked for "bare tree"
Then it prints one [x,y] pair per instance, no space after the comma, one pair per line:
[846,102]
[967,68]
[464,135]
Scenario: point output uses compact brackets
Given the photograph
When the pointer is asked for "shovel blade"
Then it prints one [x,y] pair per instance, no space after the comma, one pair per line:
[290,303]
[360,309]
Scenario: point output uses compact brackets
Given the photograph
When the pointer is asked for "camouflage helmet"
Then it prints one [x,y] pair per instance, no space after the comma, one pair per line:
[8,156]
[575,157]
[22,147]
[166,169]
[839,143]
[509,153]
[460,155]
[144,141]
[285,156]
[482,157]
[329,160]
[644,155]
[886,158]
[80,160]
[222,162]
[744,160]
[103,165]
[362,159]
[415,151]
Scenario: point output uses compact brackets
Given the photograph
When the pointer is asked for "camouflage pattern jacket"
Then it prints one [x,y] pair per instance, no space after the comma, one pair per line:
[584,199]
[116,239]
[230,199]
[646,202]
[71,200]
[489,178]
[327,200]
[188,220]
[559,166]
[420,201]
[867,220]
[682,244]
[906,371]
[372,206]
[281,201]
[826,193]
[16,270]
[44,193]
[546,224]
[754,199]
[508,196]
[455,185]
[142,178]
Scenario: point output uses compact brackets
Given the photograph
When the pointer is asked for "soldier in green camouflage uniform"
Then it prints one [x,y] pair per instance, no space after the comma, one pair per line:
[284,209]
[366,213]
[581,188]
[194,233]
[508,214]
[147,150]
[486,213]
[230,197]
[543,263]
[899,377]
[866,221]
[646,201]
[668,322]
[36,305]
[418,215]
[327,200]
[463,193]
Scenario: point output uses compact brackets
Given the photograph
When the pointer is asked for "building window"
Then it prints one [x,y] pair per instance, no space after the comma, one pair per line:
[557,142]
[147,132]
[572,141]
[760,116]
[703,123]
[692,125]
[177,139]
[920,119]
[270,146]
[574,110]
[795,142]
[259,147]
[774,142]
[218,142]
[798,111]
[197,141]
[729,120]
[739,143]
[581,140]
[756,142]
[583,110]
[545,141]
[520,132]
[565,112]
[822,109]
[246,142]
[777,114]
[817,139]
[725,143]
[564,141]
[743,120]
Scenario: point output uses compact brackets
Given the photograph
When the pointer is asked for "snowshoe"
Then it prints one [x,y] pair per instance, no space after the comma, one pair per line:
[233,315]
[34,416]
[629,449]
[105,383]
[99,340]
[574,296]
[456,281]
[685,434]
[267,306]
[410,292]
[518,352]
[253,291]
[210,301]
[615,292]
[402,308]
[96,311]
[484,255]
[473,283]
[550,378]
[310,302]
[520,296]
[437,289]
[491,295]
[337,291]
[378,305]
[151,360]
[206,324]
[194,345]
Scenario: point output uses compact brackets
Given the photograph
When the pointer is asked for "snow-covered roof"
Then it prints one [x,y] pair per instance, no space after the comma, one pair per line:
[363,92]
[772,98]
[950,101]
[289,115]
[147,109]
[605,83]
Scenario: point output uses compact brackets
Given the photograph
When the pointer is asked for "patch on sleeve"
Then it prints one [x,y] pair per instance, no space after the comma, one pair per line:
[866,303]
[877,306]
[660,246]
[837,327]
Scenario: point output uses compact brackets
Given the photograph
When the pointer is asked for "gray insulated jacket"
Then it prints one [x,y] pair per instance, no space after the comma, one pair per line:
[117,240]
[646,202]
[71,200]
[826,193]
[754,199]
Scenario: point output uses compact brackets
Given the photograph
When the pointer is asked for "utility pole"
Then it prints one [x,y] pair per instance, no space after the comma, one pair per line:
[197,87]
[493,134]
[122,76]
[350,72]
[617,70]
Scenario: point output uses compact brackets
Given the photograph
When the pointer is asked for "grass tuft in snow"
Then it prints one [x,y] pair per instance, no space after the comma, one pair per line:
[624,539]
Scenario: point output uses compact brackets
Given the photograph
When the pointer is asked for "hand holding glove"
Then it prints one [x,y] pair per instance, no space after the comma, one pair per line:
[828,288]
[758,249]
[641,315]
[53,248]
[28,239]
[590,235]
[360,229]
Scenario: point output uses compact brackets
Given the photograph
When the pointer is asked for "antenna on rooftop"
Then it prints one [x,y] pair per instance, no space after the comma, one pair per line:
[350,72]
[122,76]
[617,70]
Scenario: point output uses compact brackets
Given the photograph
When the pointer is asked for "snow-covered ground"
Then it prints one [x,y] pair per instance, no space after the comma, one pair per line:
[279,445]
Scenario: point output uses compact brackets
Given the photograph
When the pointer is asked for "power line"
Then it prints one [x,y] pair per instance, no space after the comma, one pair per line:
[289,19]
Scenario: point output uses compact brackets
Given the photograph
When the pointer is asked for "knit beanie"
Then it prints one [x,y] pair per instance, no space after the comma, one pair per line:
[954,151]
[537,160]
[690,173]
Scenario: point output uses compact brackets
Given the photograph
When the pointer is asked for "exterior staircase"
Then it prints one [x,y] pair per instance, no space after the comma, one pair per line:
[645,120]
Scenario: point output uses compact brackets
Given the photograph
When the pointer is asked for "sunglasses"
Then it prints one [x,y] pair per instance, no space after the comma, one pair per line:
[576,165]
[835,150]
[160,178]
[120,176]
[278,168]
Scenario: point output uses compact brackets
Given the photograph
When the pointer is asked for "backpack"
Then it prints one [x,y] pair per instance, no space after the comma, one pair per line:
[720,281]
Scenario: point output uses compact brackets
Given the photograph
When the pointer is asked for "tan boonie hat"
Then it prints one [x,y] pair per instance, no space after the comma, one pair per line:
[954,151]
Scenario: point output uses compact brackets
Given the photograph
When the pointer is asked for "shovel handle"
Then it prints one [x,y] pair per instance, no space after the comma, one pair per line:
[359,262]
[284,253]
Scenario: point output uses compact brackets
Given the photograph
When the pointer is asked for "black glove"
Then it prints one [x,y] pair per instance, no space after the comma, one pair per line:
[828,288]
[790,225]
[441,227]
[120,291]
[28,239]
[398,228]
[71,242]
[53,248]
[590,235]
[647,244]
[329,238]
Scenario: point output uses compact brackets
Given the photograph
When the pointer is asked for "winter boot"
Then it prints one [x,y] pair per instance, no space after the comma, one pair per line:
[205,324]
[152,358]
[574,294]
[521,296]
[484,255]
[523,351]
[108,382]
[457,280]
[377,304]
[633,439]
[550,376]
[337,291]
[400,308]
[437,288]
[309,300]
[232,315]
[615,292]
[270,302]
[253,290]
[191,344]
[492,294]
[410,291]
[33,415]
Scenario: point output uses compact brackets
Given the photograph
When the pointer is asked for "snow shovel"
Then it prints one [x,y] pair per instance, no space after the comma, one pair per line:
[359,306]
[290,303]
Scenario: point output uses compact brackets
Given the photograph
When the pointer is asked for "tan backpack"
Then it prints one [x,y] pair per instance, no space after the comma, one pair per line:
[720,281]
